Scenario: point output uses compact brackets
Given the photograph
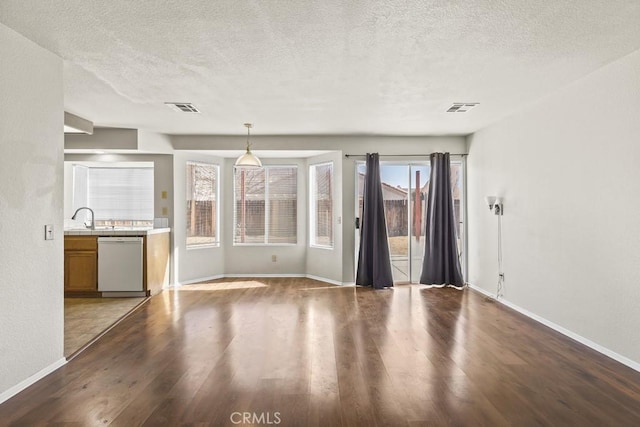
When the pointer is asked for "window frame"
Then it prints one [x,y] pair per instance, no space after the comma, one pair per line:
[266,207]
[100,218]
[218,236]
[313,212]
[458,159]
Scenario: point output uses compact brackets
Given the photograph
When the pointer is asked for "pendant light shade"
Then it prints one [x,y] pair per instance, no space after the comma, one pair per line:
[248,160]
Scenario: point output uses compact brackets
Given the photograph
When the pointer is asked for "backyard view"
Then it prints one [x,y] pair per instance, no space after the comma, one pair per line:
[405,189]
[265,205]
[201,204]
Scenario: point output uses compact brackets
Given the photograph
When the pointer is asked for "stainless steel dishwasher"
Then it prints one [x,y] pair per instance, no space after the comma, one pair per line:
[120,266]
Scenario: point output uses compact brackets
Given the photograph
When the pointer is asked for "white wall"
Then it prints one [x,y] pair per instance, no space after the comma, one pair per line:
[197,263]
[569,169]
[153,142]
[31,269]
[321,262]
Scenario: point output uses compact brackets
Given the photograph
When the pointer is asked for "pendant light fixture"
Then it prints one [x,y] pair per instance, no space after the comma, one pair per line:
[248,160]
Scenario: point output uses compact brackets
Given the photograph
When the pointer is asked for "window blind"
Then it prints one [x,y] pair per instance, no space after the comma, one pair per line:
[283,205]
[120,194]
[265,209]
[321,205]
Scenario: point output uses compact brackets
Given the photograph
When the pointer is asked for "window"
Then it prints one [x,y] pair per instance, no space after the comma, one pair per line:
[321,205]
[202,204]
[266,205]
[120,196]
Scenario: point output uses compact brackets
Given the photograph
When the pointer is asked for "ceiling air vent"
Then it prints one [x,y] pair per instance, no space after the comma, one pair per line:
[184,107]
[461,107]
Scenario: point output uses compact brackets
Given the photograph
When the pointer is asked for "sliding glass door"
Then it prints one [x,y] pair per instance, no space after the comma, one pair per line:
[418,184]
[405,186]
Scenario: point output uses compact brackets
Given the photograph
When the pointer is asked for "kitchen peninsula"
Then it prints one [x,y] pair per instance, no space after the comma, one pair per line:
[81,258]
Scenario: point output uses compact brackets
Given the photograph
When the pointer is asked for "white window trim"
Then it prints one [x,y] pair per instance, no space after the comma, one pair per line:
[455,159]
[312,211]
[266,214]
[217,242]
[100,217]
[202,246]
[265,244]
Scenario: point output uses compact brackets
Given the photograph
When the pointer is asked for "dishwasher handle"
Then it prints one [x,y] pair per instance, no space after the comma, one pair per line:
[120,239]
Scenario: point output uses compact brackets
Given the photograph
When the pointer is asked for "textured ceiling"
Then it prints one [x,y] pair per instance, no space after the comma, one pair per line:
[320,67]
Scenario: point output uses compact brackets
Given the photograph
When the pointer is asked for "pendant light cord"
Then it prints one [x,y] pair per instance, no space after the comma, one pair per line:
[248,126]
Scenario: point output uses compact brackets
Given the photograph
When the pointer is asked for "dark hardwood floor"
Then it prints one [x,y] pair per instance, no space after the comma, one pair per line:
[296,352]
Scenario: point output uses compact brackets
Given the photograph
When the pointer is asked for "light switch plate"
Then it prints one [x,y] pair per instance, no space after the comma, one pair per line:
[48,232]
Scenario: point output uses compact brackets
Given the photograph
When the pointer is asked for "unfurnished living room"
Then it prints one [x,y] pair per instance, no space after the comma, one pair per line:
[320,213]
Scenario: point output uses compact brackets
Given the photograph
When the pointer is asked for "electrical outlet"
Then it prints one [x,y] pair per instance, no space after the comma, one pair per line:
[164,194]
[165,211]
[274,258]
[48,232]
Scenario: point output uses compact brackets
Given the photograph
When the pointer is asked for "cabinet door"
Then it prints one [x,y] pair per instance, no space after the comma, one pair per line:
[81,271]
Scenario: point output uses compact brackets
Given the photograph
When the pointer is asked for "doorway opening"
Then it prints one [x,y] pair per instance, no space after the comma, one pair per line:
[405,186]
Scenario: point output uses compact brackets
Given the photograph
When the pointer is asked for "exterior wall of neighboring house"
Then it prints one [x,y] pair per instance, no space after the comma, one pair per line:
[396,204]
[395,207]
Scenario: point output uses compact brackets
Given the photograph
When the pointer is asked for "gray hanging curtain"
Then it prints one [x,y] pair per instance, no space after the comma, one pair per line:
[374,262]
[441,265]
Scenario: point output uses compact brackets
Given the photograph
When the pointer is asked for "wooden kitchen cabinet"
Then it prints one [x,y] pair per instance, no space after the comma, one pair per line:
[81,265]
[156,262]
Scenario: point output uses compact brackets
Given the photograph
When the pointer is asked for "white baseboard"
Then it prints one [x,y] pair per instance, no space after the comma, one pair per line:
[324,279]
[201,279]
[258,275]
[7,394]
[582,340]
[482,291]
[222,276]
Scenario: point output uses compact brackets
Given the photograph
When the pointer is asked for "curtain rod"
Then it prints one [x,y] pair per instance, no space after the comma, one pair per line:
[404,155]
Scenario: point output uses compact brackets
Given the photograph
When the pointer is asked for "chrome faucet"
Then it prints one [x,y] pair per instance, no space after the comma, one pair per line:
[93,216]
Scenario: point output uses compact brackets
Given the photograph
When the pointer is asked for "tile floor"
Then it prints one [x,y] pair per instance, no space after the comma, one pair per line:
[86,318]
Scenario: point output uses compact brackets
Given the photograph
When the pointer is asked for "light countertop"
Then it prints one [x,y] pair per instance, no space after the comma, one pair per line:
[116,231]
